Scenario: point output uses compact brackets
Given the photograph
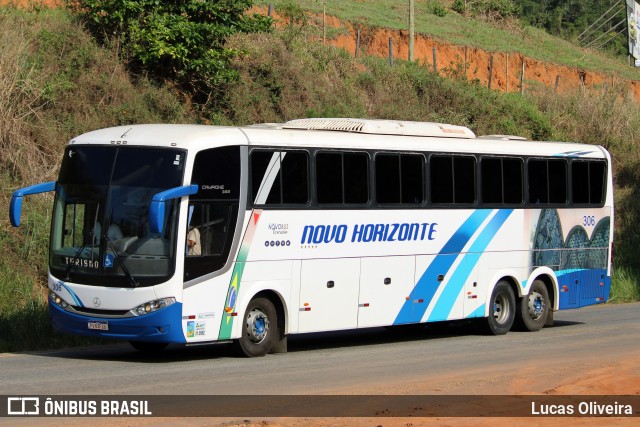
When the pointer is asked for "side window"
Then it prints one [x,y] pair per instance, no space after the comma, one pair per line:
[342,178]
[588,181]
[452,179]
[279,177]
[213,211]
[399,178]
[501,180]
[547,181]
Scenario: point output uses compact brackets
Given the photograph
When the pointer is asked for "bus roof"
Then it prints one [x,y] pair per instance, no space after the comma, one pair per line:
[333,134]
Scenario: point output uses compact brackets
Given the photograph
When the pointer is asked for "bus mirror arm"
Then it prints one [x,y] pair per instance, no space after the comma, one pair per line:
[15,207]
[156,208]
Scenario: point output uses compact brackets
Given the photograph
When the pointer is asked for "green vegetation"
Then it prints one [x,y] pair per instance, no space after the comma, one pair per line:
[570,18]
[178,41]
[56,82]
[490,34]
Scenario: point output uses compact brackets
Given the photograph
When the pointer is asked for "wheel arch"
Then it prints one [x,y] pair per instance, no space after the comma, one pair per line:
[513,284]
[274,291]
[548,277]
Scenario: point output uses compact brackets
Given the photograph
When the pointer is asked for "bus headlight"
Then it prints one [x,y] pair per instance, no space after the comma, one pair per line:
[57,300]
[151,306]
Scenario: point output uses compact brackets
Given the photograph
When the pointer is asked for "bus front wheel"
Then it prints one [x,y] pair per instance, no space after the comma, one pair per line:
[533,309]
[259,328]
[502,310]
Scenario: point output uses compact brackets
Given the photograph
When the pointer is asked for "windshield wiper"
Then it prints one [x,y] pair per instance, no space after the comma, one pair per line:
[73,262]
[132,280]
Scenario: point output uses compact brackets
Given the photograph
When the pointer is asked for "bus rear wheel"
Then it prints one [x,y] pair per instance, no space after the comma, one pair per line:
[502,310]
[259,328]
[533,309]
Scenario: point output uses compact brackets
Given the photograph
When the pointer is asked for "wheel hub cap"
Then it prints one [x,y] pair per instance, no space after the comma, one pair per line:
[257,325]
[536,305]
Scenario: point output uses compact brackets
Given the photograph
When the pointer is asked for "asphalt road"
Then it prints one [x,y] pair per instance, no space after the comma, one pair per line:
[442,359]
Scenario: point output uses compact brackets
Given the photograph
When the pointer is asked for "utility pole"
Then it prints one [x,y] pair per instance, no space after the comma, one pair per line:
[411,25]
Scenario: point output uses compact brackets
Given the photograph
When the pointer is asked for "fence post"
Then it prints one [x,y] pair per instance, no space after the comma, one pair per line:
[555,89]
[435,60]
[466,59]
[270,10]
[357,44]
[522,78]
[490,70]
[390,51]
[506,89]
[411,29]
[324,26]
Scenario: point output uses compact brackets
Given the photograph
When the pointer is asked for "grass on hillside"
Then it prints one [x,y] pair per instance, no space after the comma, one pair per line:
[464,31]
[55,83]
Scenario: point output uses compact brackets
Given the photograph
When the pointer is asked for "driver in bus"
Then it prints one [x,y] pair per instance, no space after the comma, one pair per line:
[193,242]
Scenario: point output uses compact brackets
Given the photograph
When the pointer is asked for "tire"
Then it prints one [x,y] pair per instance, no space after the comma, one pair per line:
[533,309]
[502,311]
[149,347]
[259,329]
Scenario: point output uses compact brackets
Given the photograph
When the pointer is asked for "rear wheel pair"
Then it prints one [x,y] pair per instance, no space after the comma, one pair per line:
[530,313]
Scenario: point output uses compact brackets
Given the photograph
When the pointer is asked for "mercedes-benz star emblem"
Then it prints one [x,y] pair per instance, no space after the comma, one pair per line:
[96,302]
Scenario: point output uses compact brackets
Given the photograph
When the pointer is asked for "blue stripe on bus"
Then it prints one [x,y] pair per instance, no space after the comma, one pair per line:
[76,299]
[455,284]
[478,312]
[440,265]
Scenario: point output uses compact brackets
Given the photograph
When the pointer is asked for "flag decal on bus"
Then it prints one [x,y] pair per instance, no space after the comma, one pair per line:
[236,278]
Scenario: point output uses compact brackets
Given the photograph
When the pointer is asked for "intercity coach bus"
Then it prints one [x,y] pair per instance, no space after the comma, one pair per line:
[198,234]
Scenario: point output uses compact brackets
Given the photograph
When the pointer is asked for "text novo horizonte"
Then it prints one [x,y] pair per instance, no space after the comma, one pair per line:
[366,233]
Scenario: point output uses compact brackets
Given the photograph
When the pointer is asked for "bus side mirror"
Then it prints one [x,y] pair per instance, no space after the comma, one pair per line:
[156,209]
[15,208]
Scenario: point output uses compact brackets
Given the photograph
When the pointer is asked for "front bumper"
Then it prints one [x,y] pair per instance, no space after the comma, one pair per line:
[161,326]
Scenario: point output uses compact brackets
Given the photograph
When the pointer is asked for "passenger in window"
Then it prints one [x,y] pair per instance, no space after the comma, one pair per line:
[193,242]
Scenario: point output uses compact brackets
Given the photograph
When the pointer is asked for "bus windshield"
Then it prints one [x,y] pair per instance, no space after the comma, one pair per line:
[100,228]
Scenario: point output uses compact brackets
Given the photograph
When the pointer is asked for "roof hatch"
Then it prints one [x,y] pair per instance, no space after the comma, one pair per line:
[382,127]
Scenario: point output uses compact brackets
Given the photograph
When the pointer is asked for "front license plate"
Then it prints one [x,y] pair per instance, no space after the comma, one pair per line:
[100,326]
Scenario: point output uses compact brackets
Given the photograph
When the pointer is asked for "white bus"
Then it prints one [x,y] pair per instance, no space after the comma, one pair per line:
[199,234]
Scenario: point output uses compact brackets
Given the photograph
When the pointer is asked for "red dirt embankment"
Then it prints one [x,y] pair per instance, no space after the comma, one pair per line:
[454,60]
[451,60]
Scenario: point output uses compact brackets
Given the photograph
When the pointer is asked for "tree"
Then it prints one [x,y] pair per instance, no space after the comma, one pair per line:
[182,41]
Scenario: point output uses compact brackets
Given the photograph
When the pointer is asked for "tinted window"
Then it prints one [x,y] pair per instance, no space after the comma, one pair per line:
[547,181]
[412,178]
[399,178]
[329,177]
[342,177]
[587,181]
[388,178]
[501,180]
[279,177]
[217,173]
[452,179]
